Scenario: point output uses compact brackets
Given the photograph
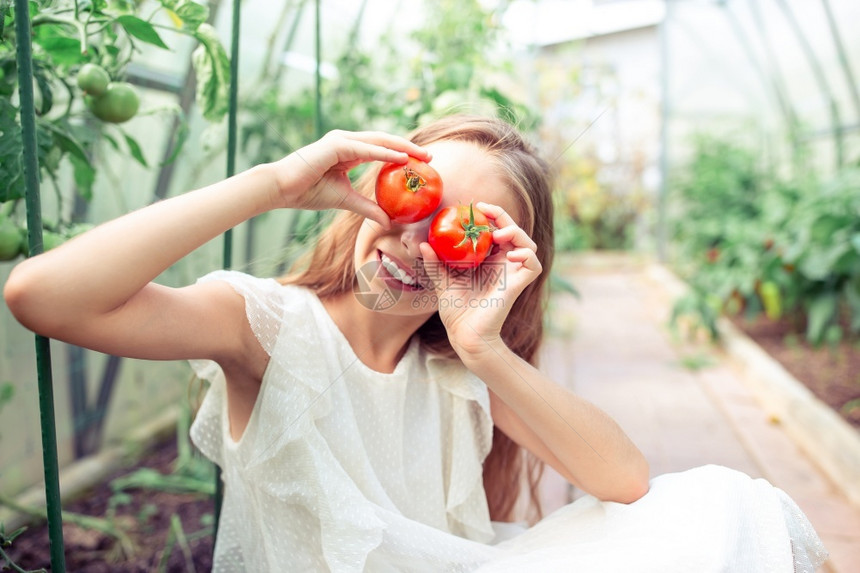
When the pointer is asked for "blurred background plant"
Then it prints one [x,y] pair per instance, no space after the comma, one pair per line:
[749,240]
[594,214]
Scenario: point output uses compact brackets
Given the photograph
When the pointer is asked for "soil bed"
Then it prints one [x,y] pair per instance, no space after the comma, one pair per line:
[145,518]
[831,374]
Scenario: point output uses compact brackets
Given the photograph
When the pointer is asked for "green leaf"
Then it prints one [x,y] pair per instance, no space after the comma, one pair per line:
[135,150]
[833,335]
[11,160]
[821,311]
[212,66]
[85,176]
[823,227]
[7,392]
[559,283]
[60,43]
[192,14]
[141,29]
[819,261]
[8,75]
[47,95]
[65,140]
[113,143]
[852,296]
[180,136]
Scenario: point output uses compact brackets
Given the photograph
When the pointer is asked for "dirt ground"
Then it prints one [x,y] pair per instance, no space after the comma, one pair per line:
[146,518]
[832,374]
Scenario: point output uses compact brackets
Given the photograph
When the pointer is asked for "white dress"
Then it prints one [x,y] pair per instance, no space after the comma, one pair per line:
[345,469]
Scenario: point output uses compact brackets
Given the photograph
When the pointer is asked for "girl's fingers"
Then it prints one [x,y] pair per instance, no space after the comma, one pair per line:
[514,235]
[507,229]
[527,257]
[379,146]
[357,151]
[496,213]
[394,142]
[434,269]
[356,203]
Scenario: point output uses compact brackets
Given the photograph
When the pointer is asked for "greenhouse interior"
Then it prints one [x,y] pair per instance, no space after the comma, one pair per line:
[704,292]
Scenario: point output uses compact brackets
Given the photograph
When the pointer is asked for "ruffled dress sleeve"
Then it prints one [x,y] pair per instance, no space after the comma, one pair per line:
[264,310]
[471,438]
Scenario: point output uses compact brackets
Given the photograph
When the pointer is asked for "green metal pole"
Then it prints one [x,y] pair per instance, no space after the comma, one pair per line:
[231,170]
[231,120]
[34,226]
[318,124]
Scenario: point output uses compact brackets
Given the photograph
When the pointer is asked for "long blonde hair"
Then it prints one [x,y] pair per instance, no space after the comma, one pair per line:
[329,270]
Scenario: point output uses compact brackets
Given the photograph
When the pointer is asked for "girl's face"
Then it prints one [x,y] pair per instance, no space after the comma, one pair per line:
[381,257]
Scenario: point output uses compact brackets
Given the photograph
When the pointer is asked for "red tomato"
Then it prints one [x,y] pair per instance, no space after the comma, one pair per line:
[461,236]
[408,192]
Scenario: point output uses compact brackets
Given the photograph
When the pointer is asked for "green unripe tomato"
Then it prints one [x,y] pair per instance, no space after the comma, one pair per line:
[10,239]
[51,240]
[25,241]
[119,103]
[93,79]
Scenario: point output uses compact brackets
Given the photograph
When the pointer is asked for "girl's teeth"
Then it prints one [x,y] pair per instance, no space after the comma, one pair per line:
[396,271]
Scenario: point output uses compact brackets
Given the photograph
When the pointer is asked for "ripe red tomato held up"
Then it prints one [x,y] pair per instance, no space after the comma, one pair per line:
[461,236]
[408,192]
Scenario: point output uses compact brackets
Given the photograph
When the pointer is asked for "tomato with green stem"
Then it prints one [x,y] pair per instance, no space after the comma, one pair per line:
[408,192]
[461,236]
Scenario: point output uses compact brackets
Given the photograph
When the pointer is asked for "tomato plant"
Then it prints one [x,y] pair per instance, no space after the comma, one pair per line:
[408,192]
[751,240]
[81,52]
[461,236]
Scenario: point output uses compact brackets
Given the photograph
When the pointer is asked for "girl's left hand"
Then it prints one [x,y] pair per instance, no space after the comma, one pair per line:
[474,303]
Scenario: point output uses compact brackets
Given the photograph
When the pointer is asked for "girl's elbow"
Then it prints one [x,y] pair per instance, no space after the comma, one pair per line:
[636,491]
[638,485]
[14,295]
[628,487]
[21,296]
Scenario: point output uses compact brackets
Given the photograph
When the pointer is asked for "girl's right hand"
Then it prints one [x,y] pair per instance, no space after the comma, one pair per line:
[316,176]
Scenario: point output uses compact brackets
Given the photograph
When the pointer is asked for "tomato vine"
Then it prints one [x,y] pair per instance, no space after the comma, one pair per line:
[71,37]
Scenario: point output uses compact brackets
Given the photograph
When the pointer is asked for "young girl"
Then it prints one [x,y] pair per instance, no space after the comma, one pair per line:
[358,437]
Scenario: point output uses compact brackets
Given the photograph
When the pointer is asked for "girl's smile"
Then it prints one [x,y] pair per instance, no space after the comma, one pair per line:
[398,275]
[468,174]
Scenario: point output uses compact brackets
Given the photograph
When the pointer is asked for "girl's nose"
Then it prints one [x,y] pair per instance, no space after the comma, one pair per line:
[413,234]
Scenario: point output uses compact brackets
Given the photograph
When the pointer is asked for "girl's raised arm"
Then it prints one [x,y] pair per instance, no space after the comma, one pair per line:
[96,290]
